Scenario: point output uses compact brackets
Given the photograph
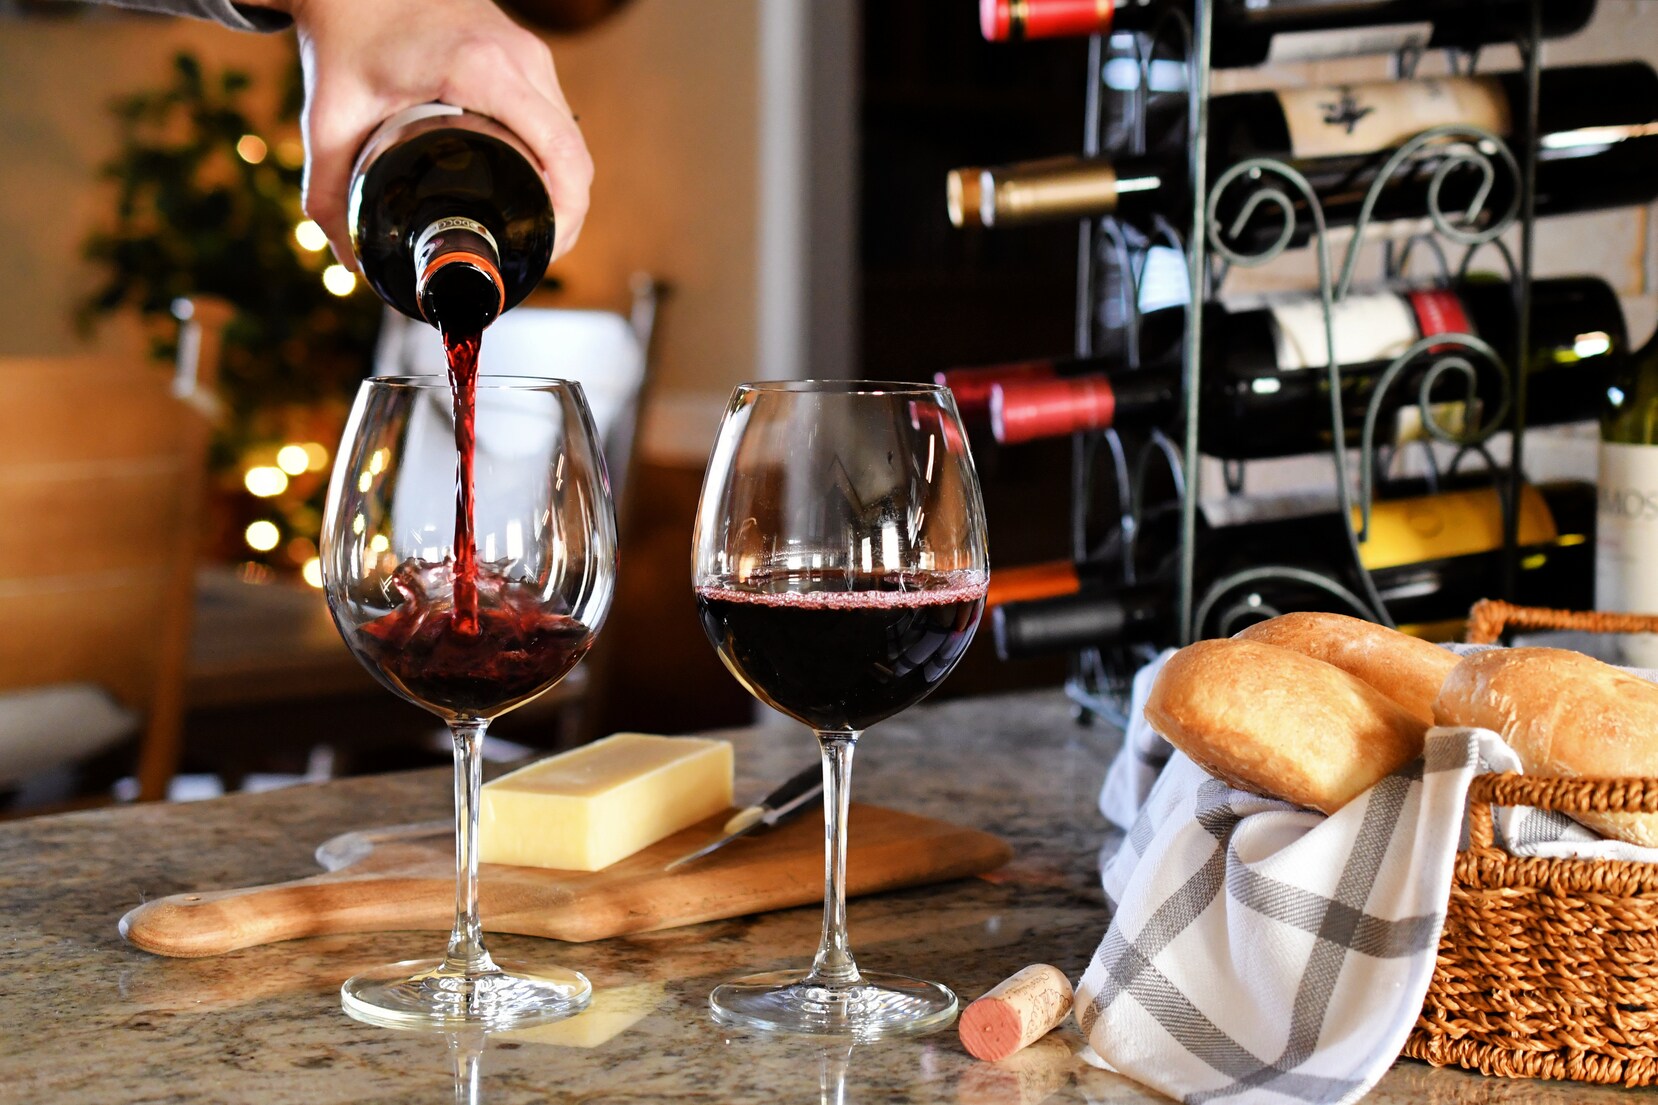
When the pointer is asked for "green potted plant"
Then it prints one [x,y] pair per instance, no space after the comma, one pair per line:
[207,202]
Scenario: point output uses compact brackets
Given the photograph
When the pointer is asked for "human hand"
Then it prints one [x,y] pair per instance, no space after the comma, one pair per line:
[365,61]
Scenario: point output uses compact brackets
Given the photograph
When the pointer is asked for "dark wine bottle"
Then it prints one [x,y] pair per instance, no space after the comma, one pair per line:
[1265,388]
[1250,32]
[450,218]
[1430,557]
[1597,148]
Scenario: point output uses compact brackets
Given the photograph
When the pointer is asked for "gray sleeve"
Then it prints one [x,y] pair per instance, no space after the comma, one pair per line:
[242,17]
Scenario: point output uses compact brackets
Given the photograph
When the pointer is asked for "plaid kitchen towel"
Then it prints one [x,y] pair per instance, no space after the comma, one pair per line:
[1260,953]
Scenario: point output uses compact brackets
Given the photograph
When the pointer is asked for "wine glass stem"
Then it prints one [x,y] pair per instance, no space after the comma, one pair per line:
[834,965]
[466,943]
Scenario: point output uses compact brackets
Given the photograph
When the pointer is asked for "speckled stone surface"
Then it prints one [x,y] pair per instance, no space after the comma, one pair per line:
[89,1019]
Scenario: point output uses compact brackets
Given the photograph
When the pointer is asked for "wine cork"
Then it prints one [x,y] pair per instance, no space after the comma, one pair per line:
[1016,1012]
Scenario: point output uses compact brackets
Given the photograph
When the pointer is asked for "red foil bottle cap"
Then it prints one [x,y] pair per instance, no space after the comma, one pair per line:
[1004,20]
[972,386]
[1024,410]
[1439,312]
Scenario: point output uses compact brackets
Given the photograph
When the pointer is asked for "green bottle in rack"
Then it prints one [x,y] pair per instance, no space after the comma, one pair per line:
[1626,552]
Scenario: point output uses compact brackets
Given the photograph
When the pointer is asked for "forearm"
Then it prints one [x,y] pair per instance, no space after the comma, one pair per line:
[267,15]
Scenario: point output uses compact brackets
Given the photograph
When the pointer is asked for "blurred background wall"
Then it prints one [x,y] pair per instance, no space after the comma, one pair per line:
[780,165]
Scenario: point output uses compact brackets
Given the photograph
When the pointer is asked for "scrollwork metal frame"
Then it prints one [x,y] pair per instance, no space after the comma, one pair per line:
[1099,679]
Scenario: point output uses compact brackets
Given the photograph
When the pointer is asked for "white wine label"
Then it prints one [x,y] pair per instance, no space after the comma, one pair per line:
[1240,510]
[1367,328]
[1347,42]
[1626,541]
[1379,115]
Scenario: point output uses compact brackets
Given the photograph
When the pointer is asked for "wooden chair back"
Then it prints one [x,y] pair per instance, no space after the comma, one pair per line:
[102,464]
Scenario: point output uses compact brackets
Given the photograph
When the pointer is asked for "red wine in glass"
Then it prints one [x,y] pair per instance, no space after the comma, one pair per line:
[465,641]
[842,659]
[513,649]
[462,352]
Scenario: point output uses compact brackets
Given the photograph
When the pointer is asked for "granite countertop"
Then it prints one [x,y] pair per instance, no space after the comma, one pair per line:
[90,1019]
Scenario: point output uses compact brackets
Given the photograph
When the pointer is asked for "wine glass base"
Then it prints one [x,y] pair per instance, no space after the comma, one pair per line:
[425,993]
[877,1005]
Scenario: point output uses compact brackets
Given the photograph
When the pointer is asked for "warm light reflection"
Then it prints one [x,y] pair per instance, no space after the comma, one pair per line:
[1592,344]
[365,481]
[310,236]
[262,535]
[339,280]
[312,571]
[264,481]
[377,461]
[251,148]
[379,543]
[357,524]
[293,459]
[300,549]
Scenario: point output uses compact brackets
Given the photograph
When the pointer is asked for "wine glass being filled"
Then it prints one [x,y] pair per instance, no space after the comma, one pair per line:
[840,570]
[468,597]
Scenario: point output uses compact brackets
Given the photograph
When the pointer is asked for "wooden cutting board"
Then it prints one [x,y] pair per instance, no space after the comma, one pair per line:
[410,884]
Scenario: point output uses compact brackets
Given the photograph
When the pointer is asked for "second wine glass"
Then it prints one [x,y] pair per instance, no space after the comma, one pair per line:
[840,571]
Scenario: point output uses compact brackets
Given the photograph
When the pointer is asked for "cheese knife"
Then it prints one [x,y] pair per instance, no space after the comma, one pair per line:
[794,796]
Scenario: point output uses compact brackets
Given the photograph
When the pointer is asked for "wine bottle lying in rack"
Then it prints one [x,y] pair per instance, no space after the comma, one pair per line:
[1264,391]
[1597,148]
[1430,557]
[1249,32]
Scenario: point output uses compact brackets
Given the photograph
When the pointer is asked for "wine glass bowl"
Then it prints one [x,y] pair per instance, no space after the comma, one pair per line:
[468,611]
[840,570]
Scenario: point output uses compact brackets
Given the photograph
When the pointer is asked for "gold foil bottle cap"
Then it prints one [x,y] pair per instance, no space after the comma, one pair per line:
[963,197]
[1041,191]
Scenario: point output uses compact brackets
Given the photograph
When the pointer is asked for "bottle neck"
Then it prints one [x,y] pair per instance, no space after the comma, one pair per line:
[1128,614]
[1028,409]
[458,275]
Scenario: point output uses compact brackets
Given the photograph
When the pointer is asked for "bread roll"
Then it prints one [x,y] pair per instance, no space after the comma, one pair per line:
[1276,722]
[1564,714]
[1406,669]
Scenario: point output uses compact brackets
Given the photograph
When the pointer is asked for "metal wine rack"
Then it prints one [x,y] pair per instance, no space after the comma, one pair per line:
[1121,479]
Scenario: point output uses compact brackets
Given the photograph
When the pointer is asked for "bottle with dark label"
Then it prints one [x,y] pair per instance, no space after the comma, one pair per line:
[1430,557]
[1256,32]
[450,218]
[1265,387]
[1626,561]
[1597,148]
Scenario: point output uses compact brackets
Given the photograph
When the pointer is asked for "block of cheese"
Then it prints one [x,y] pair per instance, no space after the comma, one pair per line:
[585,809]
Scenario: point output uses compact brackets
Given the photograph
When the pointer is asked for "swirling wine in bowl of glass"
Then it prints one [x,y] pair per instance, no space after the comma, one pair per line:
[469,555]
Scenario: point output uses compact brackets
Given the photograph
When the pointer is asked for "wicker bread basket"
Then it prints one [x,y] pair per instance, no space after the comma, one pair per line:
[1547,968]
